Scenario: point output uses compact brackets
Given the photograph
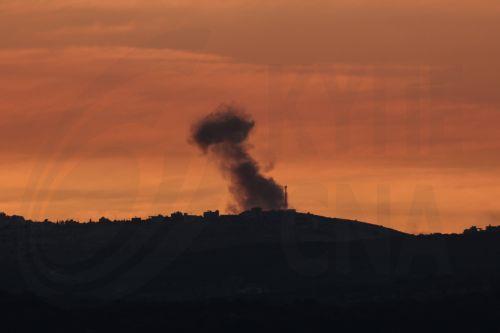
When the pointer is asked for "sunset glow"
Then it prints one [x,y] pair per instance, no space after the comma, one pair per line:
[380,111]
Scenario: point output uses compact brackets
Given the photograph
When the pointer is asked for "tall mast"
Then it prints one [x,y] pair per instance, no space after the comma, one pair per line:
[286,196]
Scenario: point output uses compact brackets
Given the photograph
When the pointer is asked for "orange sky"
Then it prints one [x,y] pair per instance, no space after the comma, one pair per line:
[383,111]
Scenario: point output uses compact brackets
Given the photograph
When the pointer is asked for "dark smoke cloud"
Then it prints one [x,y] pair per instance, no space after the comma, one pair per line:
[223,135]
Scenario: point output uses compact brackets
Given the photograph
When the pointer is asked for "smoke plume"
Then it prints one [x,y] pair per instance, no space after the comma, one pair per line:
[223,135]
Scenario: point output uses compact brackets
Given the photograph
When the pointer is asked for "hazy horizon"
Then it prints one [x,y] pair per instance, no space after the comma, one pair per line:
[384,112]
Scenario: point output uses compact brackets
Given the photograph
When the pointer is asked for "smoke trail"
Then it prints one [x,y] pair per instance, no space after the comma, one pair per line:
[223,135]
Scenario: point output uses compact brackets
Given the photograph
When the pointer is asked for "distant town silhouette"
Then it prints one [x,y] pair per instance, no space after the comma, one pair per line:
[261,269]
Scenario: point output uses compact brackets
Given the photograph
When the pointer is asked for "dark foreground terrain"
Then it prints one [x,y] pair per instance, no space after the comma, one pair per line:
[258,271]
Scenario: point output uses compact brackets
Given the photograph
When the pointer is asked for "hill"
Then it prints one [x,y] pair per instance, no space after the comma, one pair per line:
[245,266]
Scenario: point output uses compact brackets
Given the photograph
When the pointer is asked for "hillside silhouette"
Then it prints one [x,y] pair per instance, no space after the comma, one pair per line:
[268,269]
